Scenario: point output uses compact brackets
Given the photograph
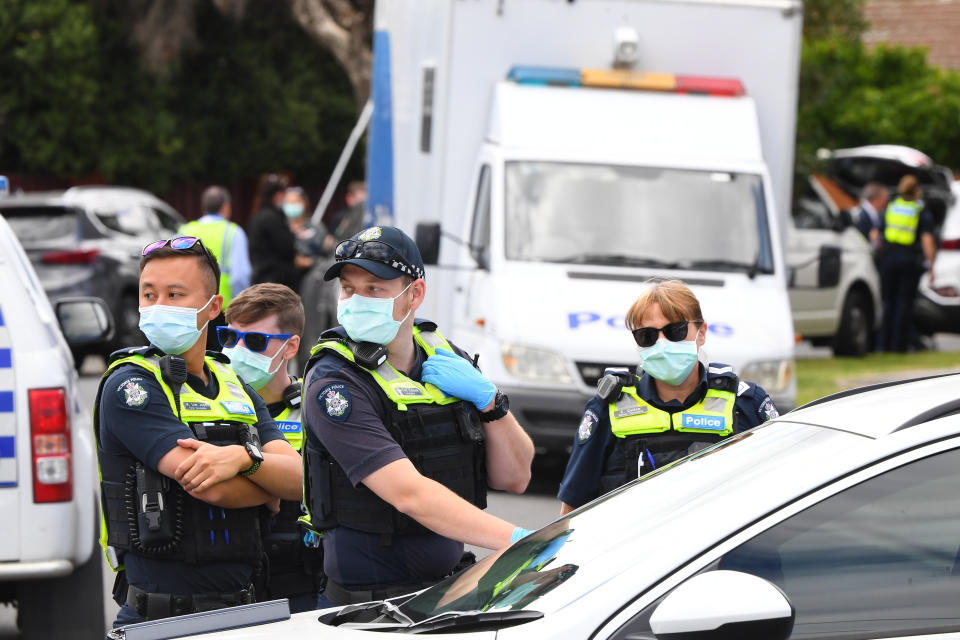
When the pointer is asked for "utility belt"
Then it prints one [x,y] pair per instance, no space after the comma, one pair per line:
[339,594]
[153,606]
[290,567]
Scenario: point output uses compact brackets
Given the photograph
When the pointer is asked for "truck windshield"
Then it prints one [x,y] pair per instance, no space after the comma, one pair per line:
[636,216]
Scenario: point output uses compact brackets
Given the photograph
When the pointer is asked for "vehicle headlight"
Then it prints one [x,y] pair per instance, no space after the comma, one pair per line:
[773,375]
[535,365]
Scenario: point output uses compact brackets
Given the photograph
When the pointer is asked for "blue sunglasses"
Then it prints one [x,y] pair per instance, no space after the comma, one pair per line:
[255,341]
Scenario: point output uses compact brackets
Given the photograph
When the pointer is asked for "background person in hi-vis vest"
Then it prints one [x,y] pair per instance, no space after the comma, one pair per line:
[262,336]
[227,241]
[403,433]
[908,250]
[680,403]
[188,452]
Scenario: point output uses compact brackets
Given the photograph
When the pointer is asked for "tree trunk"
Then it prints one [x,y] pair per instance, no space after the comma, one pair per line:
[342,29]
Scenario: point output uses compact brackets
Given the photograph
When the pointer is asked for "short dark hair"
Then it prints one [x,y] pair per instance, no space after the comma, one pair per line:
[206,260]
[213,198]
[271,185]
[261,300]
[356,185]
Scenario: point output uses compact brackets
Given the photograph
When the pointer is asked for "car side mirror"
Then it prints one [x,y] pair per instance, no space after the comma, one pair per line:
[828,271]
[427,237]
[84,321]
[693,611]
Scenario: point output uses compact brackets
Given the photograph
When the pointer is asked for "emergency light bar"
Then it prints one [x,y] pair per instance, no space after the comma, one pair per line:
[626,79]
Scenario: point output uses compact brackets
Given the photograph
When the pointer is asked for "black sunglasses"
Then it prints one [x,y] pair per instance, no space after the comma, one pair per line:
[674,332]
[378,252]
[183,243]
[253,340]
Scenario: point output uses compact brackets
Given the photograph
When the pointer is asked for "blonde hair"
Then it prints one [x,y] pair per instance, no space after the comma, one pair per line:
[908,187]
[675,299]
[261,300]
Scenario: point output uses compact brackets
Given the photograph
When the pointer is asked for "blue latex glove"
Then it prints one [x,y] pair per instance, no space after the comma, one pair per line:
[518,533]
[456,377]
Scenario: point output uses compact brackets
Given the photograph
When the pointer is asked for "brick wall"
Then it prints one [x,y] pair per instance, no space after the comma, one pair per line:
[934,24]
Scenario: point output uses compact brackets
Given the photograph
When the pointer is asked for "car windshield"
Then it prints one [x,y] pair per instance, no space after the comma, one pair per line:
[561,562]
[43,225]
[132,219]
[636,216]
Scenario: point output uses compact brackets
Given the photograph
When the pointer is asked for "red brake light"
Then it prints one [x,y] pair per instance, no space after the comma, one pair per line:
[50,440]
[71,256]
[952,243]
[710,86]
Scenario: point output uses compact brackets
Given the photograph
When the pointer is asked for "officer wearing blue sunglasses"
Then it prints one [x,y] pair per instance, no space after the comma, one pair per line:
[680,404]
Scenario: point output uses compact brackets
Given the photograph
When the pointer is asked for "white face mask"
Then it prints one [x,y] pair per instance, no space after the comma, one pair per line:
[172,329]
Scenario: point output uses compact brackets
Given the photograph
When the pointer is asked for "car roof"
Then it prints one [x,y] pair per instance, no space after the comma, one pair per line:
[929,398]
[905,155]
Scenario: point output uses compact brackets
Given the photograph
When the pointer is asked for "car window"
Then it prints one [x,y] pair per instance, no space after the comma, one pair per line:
[167,221]
[132,220]
[49,225]
[881,559]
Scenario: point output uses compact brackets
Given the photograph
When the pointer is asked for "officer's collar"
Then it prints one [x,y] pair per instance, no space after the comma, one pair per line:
[647,388]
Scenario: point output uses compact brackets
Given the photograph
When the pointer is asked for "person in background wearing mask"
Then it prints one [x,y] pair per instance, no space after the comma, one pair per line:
[679,405]
[262,336]
[309,242]
[272,242]
[403,434]
[187,451]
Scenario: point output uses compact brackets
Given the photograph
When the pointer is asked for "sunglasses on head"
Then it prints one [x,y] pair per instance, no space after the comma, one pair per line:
[182,243]
[674,332]
[378,252]
[255,341]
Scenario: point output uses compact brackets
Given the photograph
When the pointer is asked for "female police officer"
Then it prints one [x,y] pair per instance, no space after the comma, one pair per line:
[679,405]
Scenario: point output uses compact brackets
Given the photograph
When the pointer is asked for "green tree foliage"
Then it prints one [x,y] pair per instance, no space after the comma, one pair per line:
[48,86]
[253,96]
[833,19]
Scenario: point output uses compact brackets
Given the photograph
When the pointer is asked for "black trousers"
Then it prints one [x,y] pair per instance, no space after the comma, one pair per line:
[899,279]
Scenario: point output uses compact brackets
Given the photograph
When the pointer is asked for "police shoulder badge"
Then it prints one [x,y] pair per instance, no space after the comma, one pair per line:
[585,430]
[768,409]
[334,399]
[132,393]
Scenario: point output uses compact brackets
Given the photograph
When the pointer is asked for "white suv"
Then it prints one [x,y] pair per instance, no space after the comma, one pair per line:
[49,563]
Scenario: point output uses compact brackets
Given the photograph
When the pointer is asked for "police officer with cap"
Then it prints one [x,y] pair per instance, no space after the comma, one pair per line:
[262,336]
[403,433]
[679,405]
[187,451]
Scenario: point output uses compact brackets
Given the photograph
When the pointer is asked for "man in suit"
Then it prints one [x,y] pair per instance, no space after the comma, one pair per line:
[873,203]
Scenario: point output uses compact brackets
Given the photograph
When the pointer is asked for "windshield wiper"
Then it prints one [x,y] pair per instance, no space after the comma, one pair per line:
[370,613]
[750,269]
[618,259]
[461,620]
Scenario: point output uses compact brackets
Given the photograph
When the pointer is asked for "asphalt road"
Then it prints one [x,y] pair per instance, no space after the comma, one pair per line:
[531,511]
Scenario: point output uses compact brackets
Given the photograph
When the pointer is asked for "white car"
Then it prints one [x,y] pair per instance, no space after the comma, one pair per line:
[937,308]
[49,557]
[838,520]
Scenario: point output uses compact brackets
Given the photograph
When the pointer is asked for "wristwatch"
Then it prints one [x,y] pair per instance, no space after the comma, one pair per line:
[501,404]
[255,454]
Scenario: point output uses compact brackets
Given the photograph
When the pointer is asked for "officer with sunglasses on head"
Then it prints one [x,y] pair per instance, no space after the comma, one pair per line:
[680,404]
[403,433]
[187,451]
[262,336]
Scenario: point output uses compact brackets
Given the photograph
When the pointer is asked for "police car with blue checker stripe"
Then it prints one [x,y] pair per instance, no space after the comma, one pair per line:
[49,567]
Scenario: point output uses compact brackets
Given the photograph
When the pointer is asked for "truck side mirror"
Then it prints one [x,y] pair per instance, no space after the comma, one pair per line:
[828,271]
[84,321]
[427,237]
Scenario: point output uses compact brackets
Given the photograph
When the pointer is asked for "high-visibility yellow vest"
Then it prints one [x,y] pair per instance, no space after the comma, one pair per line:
[217,236]
[632,415]
[901,220]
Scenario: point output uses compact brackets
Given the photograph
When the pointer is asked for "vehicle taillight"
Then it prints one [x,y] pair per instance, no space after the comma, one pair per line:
[71,256]
[952,243]
[50,436]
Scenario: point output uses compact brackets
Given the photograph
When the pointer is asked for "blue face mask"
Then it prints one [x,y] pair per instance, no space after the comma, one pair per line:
[668,361]
[293,210]
[370,319]
[172,329]
[253,368]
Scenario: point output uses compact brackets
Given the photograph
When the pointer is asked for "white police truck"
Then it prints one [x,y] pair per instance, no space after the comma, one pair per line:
[575,150]
[50,568]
